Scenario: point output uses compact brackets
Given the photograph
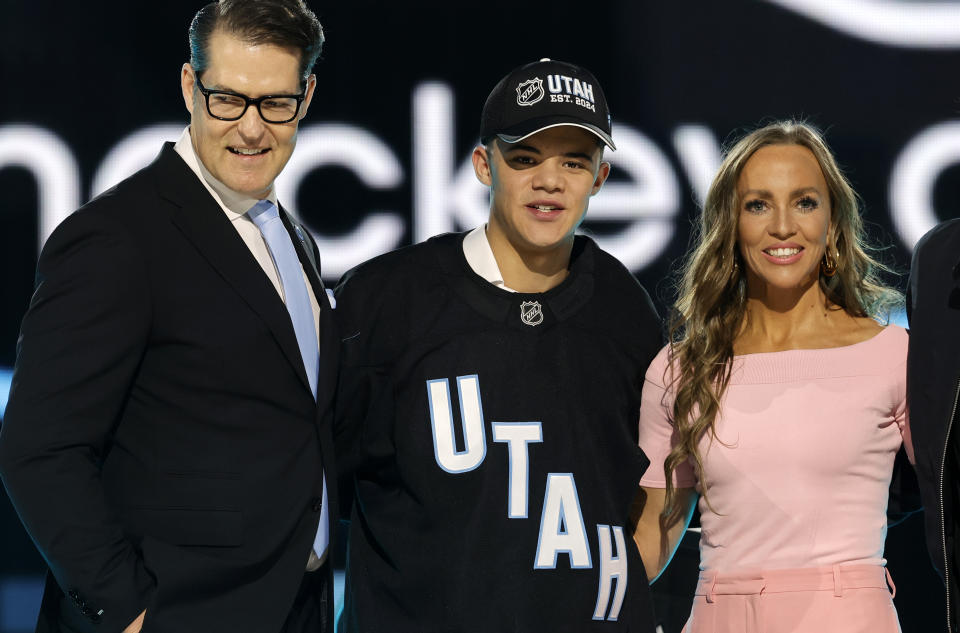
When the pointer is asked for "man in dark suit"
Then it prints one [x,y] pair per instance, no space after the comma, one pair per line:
[167,439]
[933,389]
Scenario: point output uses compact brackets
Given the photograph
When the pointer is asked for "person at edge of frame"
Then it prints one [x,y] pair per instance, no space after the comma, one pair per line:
[933,388]
[490,382]
[167,440]
[780,401]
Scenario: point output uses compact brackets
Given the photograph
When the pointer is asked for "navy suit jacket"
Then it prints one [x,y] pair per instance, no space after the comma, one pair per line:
[161,443]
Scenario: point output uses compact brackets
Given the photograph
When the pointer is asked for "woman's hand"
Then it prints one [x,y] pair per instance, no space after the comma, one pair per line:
[655,538]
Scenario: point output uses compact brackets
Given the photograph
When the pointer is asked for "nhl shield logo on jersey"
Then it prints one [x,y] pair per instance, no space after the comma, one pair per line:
[530,92]
[531,313]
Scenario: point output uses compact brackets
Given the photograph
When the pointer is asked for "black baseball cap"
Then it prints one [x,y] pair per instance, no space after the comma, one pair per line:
[545,94]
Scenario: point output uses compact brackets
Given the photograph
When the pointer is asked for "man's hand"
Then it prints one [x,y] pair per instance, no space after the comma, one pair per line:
[136,625]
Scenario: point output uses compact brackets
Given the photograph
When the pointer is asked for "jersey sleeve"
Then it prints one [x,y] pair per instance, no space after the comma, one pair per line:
[372,326]
[355,385]
[656,432]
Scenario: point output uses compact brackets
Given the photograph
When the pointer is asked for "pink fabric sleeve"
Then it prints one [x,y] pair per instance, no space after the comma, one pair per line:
[902,415]
[656,431]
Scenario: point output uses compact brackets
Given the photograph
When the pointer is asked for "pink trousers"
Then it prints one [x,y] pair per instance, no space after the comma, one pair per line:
[838,599]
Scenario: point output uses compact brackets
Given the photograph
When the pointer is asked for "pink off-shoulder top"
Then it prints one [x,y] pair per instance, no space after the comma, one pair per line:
[798,475]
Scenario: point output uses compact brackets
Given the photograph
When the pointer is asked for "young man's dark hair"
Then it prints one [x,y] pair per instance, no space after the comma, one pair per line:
[283,23]
[489,390]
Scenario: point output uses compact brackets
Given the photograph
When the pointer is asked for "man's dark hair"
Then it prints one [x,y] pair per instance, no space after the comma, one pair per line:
[286,23]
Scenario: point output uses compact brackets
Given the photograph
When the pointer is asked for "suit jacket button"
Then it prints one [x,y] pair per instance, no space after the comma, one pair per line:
[317,504]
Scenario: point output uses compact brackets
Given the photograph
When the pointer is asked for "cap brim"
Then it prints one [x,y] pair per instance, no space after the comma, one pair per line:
[603,136]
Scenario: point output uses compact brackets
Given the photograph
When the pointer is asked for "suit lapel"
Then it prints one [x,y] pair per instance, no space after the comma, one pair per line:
[203,222]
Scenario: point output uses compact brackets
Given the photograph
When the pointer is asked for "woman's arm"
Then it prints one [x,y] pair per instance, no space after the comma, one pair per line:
[657,540]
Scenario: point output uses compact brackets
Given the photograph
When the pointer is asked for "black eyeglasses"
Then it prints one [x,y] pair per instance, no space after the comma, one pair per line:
[230,106]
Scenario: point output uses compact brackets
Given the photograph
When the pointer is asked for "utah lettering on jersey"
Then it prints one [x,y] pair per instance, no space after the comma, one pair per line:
[562,528]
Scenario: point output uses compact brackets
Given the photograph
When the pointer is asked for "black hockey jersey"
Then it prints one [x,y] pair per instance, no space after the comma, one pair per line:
[489,441]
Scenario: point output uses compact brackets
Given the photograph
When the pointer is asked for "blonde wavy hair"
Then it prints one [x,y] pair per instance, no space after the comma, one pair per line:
[711,305]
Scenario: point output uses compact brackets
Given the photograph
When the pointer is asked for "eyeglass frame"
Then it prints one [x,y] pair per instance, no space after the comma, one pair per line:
[206,92]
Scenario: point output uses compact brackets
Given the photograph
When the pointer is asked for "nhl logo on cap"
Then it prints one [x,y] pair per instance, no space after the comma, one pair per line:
[530,92]
[531,313]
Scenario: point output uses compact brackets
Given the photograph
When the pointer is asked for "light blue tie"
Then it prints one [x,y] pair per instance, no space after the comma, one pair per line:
[267,218]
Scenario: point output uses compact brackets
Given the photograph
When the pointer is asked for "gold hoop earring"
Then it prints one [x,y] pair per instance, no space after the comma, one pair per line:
[829,265]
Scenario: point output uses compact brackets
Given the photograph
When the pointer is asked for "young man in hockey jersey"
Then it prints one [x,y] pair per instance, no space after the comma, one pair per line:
[489,394]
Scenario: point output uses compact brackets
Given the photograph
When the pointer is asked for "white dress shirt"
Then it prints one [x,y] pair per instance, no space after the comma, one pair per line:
[476,248]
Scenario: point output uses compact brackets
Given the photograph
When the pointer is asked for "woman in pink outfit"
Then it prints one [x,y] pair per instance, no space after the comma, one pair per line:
[780,402]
